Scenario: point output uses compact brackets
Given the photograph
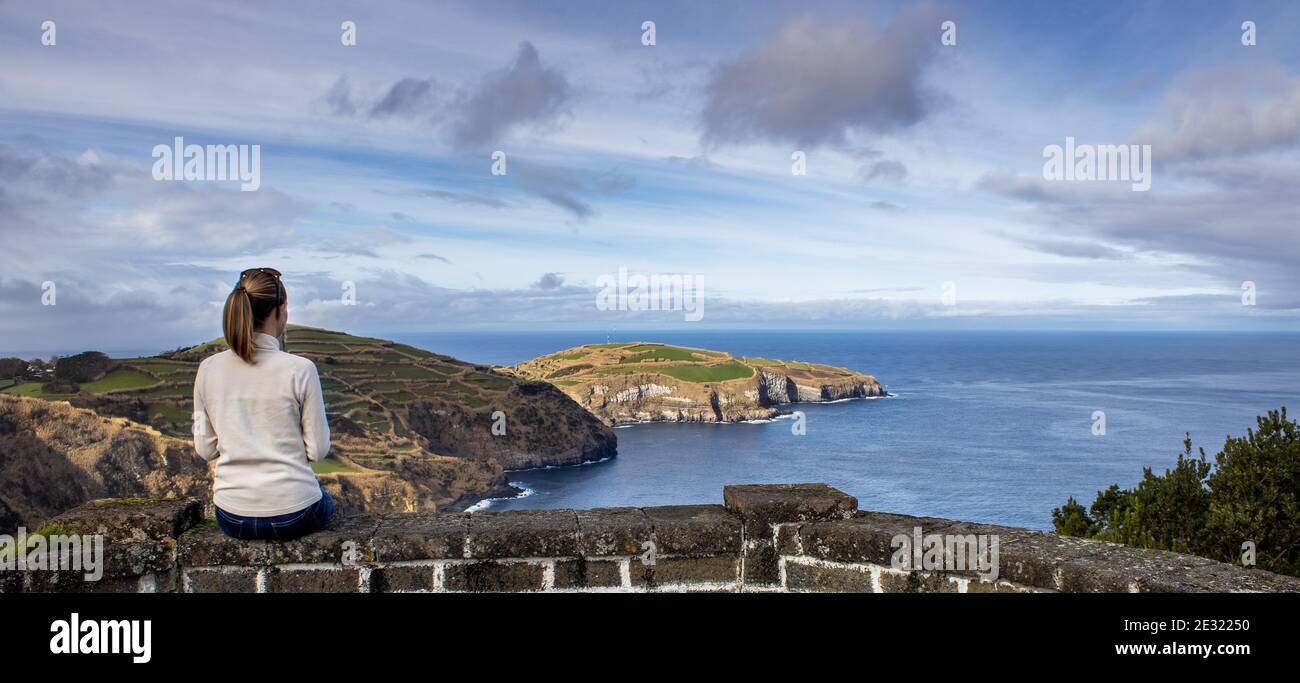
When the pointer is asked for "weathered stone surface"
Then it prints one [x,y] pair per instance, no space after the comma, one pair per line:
[584,573]
[826,546]
[523,533]
[892,581]
[397,578]
[604,532]
[494,577]
[131,519]
[51,581]
[11,581]
[313,580]
[762,505]
[668,571]
[420,536]
[815,577]
[121,559]
[346,537]
[694,529]
[977,586]
[1218,577]
[866,537]
[220,580]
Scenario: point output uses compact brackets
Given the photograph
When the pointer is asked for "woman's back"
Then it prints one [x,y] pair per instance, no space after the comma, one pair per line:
[271,420]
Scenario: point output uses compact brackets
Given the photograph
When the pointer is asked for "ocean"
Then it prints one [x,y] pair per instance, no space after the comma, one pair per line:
[995,427]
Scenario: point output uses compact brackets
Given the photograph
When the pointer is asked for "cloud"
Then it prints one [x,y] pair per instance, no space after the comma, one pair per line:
[561,186]
[815,81]
[1225,112]
[887,170]
[339,98]
[524,93]
[470,198]
[549,281]
[407,97]
[1069,248]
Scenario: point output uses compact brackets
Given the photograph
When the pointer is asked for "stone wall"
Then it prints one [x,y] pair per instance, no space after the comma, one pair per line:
[780,537]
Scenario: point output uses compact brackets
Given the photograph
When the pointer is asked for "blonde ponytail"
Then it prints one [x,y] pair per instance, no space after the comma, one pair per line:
[257,296]
[237,323]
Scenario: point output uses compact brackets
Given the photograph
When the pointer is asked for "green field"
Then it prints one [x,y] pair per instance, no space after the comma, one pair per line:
[494,382]
[647,352]
[721,372]
[330,466]
[169,413]
[26,389]
[119,379]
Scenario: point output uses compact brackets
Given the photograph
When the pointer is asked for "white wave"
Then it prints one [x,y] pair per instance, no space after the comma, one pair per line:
[487,502]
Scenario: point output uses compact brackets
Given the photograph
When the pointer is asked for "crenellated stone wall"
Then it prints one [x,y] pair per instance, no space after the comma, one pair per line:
[766,537]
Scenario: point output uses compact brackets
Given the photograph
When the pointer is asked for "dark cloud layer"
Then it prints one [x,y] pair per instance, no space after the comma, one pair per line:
[476,116]
[815,81]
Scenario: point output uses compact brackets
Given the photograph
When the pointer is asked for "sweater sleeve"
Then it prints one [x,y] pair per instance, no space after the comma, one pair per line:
[315,426]
[205,438]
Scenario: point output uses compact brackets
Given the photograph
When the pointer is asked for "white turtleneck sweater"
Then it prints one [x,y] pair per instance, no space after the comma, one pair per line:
[263,423]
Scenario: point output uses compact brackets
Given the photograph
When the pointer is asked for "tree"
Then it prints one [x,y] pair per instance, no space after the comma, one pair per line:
[83,367]
[1249,495]
[12,368]
[1072,520]
[1254,493]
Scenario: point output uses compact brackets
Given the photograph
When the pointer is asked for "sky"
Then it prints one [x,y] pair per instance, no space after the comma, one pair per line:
[922,202]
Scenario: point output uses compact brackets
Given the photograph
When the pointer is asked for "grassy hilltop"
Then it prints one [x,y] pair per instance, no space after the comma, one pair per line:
[651,382]
[410,429]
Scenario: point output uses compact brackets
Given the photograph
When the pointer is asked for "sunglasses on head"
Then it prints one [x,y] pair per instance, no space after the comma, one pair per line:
[269,271]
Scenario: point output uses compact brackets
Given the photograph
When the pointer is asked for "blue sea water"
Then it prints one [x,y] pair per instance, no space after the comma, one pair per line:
[984,426]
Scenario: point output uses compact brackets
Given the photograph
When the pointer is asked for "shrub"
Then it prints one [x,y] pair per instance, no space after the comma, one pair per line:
[1249,495]
[83,367]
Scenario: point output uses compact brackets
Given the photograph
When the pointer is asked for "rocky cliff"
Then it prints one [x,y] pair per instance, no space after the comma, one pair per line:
[54,457]
[647,382]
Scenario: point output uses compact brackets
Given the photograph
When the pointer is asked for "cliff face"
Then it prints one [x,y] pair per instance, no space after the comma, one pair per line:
[639,382]
[538,425]
[54,457]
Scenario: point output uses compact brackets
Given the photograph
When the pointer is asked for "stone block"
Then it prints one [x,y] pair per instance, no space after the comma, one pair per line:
[494,577]
[694,530]
[604,532]
[523,533]
[397,578]
[314,580]
[345,540]
[420,536]
[687,570]
[220,580]
[585,573]
[803,577]
[762,505]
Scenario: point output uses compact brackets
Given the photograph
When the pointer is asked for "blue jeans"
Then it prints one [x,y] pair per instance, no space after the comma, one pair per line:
[280,527]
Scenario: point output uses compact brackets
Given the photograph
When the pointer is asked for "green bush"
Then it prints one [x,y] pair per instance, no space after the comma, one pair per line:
[1248,495]
[83,367]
